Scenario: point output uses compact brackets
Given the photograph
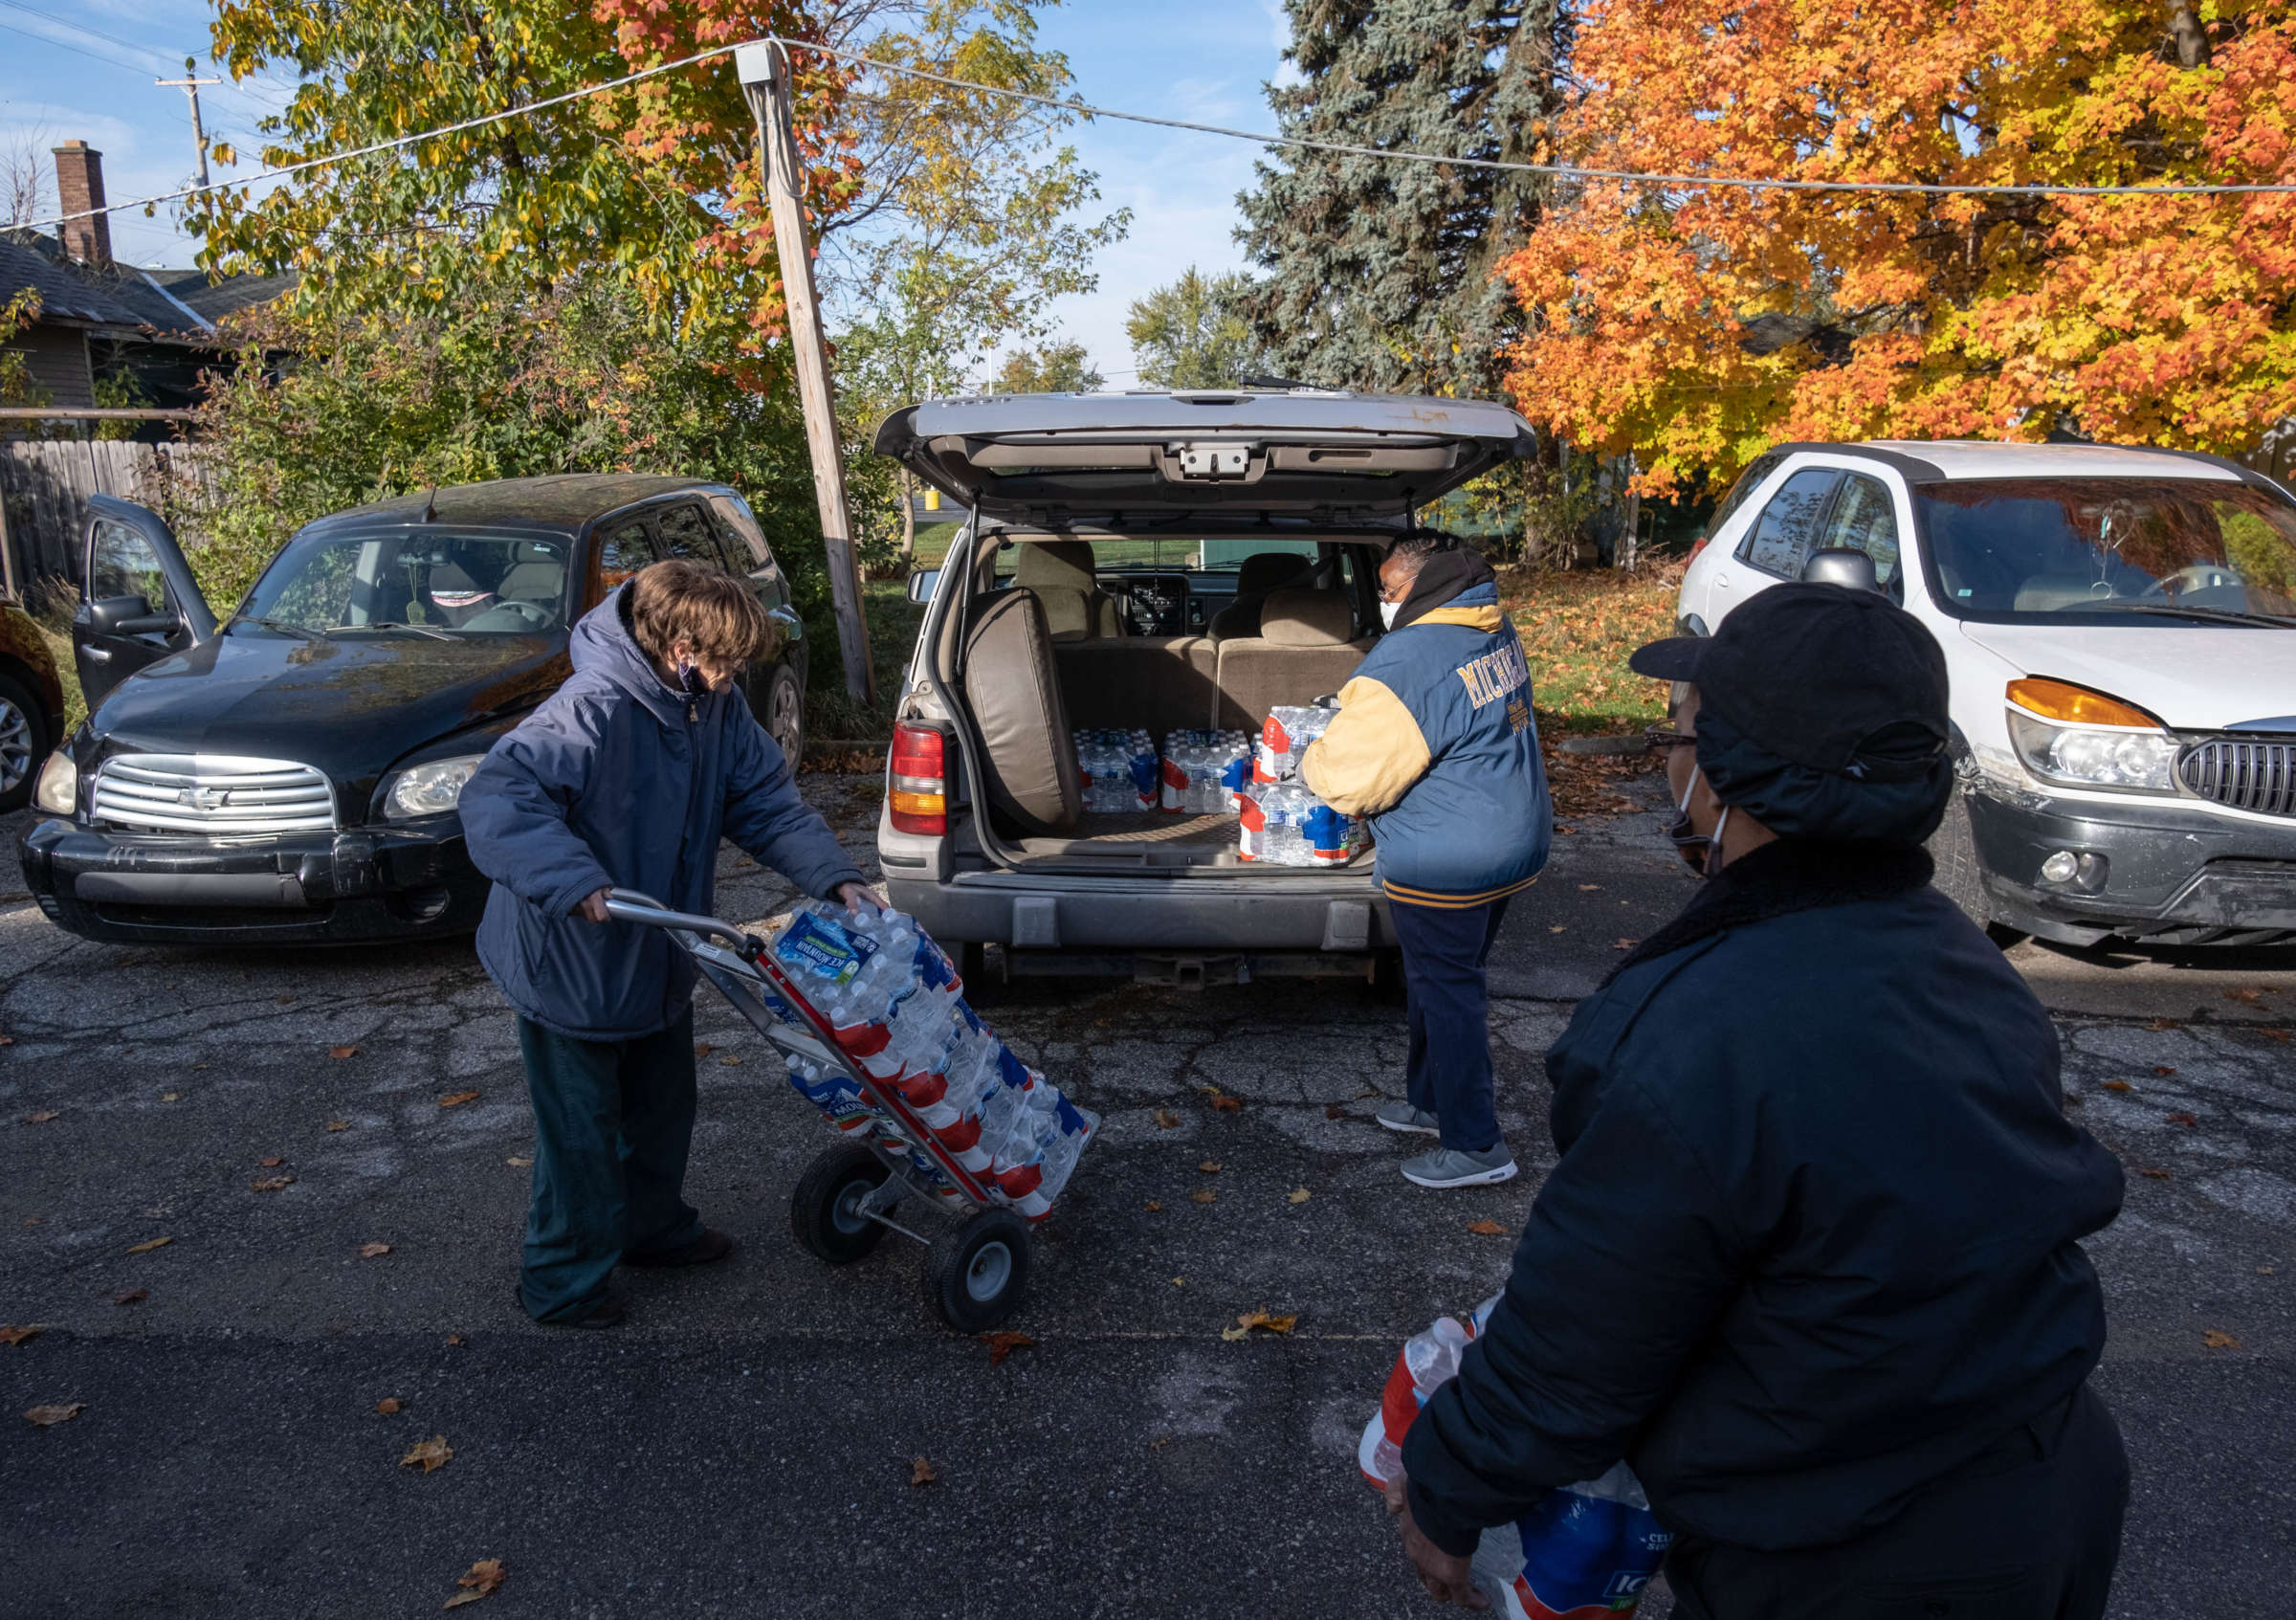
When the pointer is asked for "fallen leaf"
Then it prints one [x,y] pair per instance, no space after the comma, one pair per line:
[2181,1118]
[702,1049]
[920,1472]
[273,1163]
[2216,1339]
[2158,1025]
[430,1455]
[33,1220]
[1332,1111]
[1179,1282]
[456,1099]
[343,1052]
[47,1417]
[388,1404]
[2246,997]
[132,1297]
[1298,1196]
[1154,1206]
[171,1096]
[1003,1345]
[1250,1319]
[373,1251]
[732,1061]
[1159,1442]
[1487,1228]
[338,1124]
[1558,929]
[41,1117]
[1204,1195]
[7,1041]
[18,1335]
[1624,944]
[2155,1174]
[1165,1119]
[2267,1271]
[2162,1070]
[1589,888]
[147,1248]
[2274,1034]
[2118,1085]
[453,1337]
[485,1577]
[521,1160]
[1226,1105]
[1210,1167]
[272,1184]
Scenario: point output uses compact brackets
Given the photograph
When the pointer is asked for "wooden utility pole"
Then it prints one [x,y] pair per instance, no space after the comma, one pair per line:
[763,66]
[189,85]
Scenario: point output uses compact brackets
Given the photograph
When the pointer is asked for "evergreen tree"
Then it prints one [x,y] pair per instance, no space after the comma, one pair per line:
[1196,333]
[1382,272]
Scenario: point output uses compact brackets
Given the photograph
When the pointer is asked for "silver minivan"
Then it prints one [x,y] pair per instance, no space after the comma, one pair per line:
[1159,561]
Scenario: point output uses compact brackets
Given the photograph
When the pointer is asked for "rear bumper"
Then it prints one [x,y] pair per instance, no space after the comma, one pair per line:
[319,888]
[2170,875]
[1161,916]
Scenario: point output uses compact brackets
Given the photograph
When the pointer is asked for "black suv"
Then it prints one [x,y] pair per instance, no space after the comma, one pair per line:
[291,776]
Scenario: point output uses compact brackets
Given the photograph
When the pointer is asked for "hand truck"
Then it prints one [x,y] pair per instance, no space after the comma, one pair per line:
[975,1270]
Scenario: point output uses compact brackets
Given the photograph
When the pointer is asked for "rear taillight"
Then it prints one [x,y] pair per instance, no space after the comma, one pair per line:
[919,788]
[1697,545]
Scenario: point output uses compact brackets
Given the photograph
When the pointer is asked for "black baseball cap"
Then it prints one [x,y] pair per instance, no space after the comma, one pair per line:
[1838,679]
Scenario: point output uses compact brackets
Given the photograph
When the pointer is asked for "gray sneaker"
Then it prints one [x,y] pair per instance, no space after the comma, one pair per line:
[1402,1117]
[1448,1166]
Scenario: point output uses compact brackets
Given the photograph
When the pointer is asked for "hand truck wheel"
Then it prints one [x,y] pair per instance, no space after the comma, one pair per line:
[824,1209]
[977,1273]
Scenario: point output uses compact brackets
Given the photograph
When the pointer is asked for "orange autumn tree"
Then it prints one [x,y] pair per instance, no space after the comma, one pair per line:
[1696,327]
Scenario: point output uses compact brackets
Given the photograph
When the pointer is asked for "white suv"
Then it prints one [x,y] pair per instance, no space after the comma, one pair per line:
[2120,626]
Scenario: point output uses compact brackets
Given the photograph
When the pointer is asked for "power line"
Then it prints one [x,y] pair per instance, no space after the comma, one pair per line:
[1564,171]
[76,50]
[79,27]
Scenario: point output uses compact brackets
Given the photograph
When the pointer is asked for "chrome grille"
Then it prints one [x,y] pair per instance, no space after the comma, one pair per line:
[2249,776]
[212,793]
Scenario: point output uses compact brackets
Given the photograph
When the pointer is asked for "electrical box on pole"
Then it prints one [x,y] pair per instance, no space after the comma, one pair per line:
[763,67]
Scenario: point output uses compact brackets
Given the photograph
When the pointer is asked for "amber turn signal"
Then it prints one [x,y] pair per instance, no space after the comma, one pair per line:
[2074,706]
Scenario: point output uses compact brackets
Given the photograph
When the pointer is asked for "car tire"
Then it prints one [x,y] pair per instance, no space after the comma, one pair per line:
[783,714]
[1959,877]
[24,744]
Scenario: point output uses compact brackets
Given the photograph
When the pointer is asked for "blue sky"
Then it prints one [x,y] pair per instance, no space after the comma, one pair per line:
[83,69]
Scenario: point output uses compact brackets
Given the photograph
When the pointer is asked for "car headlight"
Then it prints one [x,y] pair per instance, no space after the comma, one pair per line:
[57,790]
[2068,734]
[433,788]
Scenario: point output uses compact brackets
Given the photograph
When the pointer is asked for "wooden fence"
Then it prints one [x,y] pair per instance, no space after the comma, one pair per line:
[44,490]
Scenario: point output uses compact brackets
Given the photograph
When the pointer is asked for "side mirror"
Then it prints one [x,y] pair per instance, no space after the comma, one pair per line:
[1840,565]
[126,615]
[922,583]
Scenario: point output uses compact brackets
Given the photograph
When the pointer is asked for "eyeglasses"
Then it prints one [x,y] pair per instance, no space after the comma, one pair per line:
[1659,741]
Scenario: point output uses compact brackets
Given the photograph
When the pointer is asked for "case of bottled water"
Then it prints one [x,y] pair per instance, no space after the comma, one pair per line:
[897,1008]
[1588,1548]
[1203,770]
[1283,824]
[1283,737]
[1120,770]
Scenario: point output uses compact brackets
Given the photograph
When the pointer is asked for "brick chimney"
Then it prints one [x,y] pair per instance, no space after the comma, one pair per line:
[79,185]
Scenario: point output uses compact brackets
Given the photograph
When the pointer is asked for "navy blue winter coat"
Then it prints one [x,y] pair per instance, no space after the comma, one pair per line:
[1812,1243]
[618,781]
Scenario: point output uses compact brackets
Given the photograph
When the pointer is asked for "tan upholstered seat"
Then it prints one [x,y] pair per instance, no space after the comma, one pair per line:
[1159,682]
[1013,691]
[1302,653]
[1059,572]
[1261,572]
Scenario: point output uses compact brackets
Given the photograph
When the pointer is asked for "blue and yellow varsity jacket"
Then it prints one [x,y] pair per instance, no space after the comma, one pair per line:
[1435,744]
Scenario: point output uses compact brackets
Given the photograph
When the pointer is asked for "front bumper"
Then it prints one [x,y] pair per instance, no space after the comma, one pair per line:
[314,888]
[1159,916]
[2170,875]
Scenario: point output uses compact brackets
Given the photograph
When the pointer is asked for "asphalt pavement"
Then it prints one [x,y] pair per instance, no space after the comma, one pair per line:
[748,1444]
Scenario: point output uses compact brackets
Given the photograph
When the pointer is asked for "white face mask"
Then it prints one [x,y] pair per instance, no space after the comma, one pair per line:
[1387,612]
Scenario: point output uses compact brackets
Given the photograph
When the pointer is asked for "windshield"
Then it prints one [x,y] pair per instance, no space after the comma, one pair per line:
[416,581]
[2109,550]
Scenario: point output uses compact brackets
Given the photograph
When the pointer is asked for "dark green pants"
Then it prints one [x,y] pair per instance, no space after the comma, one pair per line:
[612,1123]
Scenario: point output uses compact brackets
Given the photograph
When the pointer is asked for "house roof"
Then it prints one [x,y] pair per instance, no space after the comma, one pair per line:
[178,304]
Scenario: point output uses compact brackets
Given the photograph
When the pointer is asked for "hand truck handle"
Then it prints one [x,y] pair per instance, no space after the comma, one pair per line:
[628,905]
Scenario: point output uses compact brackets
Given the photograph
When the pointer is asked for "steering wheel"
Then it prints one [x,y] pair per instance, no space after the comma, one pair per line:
[536,616]
[2192,576]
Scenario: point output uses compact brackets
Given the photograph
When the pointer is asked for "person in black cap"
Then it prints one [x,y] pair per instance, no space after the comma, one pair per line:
[1810,1260]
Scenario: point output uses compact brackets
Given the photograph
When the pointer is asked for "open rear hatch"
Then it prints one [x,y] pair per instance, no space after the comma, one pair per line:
[1301,458]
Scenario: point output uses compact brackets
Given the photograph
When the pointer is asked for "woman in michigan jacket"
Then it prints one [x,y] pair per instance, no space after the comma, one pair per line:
[1435,745]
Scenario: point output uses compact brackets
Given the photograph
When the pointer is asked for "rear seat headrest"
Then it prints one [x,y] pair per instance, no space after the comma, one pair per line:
[1306,618]
[1054,563]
